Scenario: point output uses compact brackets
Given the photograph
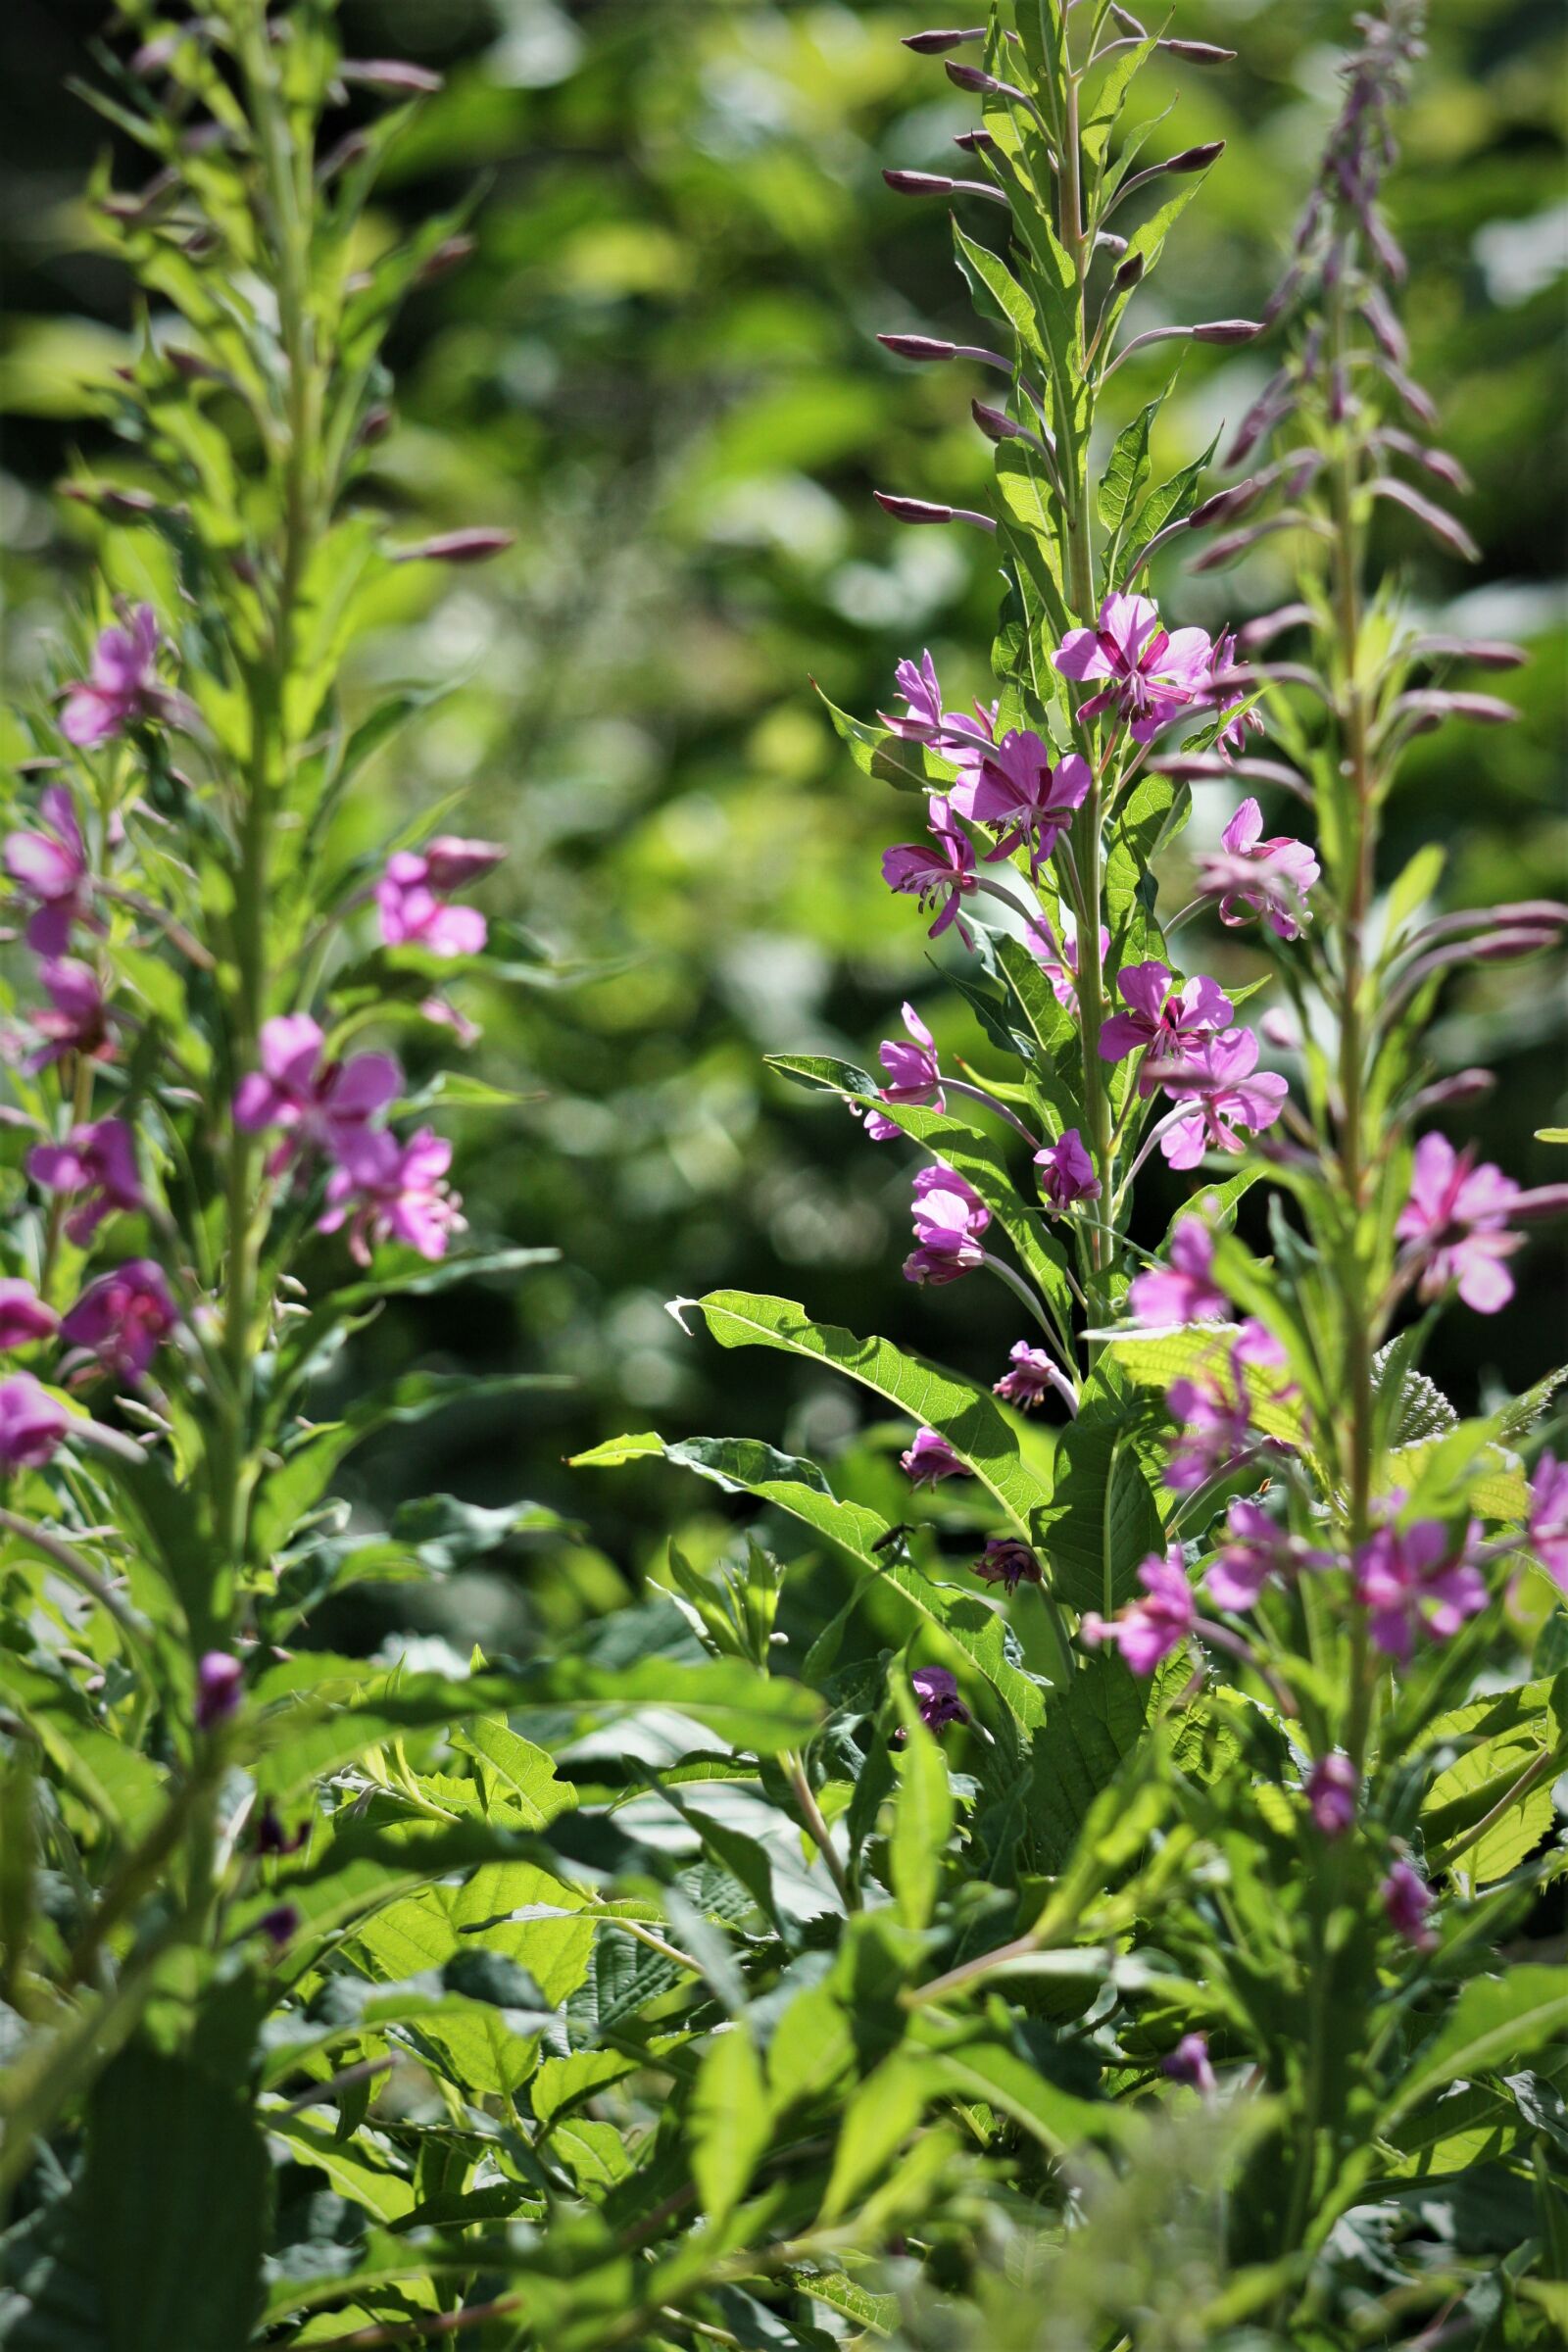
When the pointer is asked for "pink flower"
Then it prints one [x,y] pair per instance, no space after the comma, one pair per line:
[1407,1900]
[1059,964]
[1332,1789]
[384,1190]
[24,1316]
[1184,1292]
[914,1075]
[931,1459]
[1188,2063]
[1546,1528]
[1413,1580]
[1008,1561]
[1239,722]
[1033,1377]
[1151,675]
[320,1105]
[1148,1629]
[1255,1547]
[50,868]
[98,1158]
[219,1682]
[31,1423]
[1066,1173]
[1229,1103]
[1269,878]
[1213,1426]
[75,1021]
[925,722]
[936,1694]
[1456,1222]
[1168,1019]
[124,685]
[1013,788]
[124,1317]
[940,876]
[414,895]
[948,1218]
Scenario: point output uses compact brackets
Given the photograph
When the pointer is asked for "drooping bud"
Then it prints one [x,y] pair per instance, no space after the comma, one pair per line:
[1433,706]
[923,510]
[1200,53]
[1486,652]
[1227,330]
[1269,625]
[935,44]
[982,85]
[1225,505]
[936,183]
[1194,159]
[975,142]
[1437,520]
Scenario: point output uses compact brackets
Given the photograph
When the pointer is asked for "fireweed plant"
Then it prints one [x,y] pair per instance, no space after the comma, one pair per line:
[1221,1760]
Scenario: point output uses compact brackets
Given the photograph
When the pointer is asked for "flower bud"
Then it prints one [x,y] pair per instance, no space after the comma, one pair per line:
[923,510]
[1225,505]
[1433,706]
[919,183]
[1128,22]
[1200,53]
[374,425]
[391,76]
[457,547]
[918,347]
[1227,330]
[934,44]
[1486,652]
[1127,275]
[1262,632]
[975,142]
[448,256]
[1194,159]
[220,1680]
[997,424]
[983,84]
[1542,1201]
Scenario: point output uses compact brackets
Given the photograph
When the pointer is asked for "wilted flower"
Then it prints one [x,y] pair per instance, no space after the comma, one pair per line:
[1005,1560]
[1184,1291]
[1456,1222]
[24,1316]
[75,1022]
[1032,1375]
[914,1075]
[32,1423]
[124,684]
[220,1681]
[1332,1789]
[1147,1630]
[97,1159]
[936,1694]
[124,1317]
[1169,1020]
[1546,1528]
[1067,1173]
[384,1190]
[1415,1580]
[931,1459]
[1059,963]
[1269,878]
[949,1217]
[50,868]
[1150,674]
[1013,788]
[1406,1902]
[937,876]
[1231,1099]
[413,895]
[1188,2063]
[320,1105]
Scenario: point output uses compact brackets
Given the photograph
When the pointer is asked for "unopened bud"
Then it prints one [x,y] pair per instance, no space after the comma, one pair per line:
[448,256]
[995,423]
[192,366]
[1542,1201]
[1269,626]
[1131,270]
[1225,505]
[1194,159]
[935,44]
[975,142]
[1128,21]
[457,547]
[1434,705]
[374,425]
[1227,330]
[1486,652]
[917,347]
[152,55]
[923,510]
[1280,1030]
[392,76]
[1200,53]
[919,183]
[983,84]
[1452,1094]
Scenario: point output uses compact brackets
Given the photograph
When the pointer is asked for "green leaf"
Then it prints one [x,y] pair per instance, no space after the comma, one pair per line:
[922,1817]
[731,2123]
[878,2117]
[1103,1519]
[1127,467]
[1495,2021]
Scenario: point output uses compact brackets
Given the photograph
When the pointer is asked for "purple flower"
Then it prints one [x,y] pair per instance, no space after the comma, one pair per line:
[1456,1222]
[1149,1630]
[1012,787]
[1059,964]
[1237,722]
[914,1075]
[1151,675]
[280,1925]
[220,1680]
[50,868]
[1188,2063]
[931,1459]
[123,686]
[1066,1173]
[384,1190]
[24,1316]
[1213,1425]
[1407,1900]
[1546,1527]
[99,1160]
[1332,1789]
[413,895]
[1184,1292]
[1170,1021]
[924,721]
[31,1423]
[1008,1561]
[1255,1547]
[938,876]
[270,1837]
[1229,1102]
[124,1317]
[949,1217]
[1412,1580]
[320,1105]
[936,1694]
[75,1022]
[1269,878]
[1033,1376]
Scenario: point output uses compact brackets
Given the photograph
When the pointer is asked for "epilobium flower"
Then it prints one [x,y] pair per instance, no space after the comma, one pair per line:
[220,1681]
[1213,1426]
[1169,1020]
[124,684]
[50,868]
[413,895]
[1188,2063]
[75,1022]
[97,1159]
[931,1459]
[1271,878]
[320,1105]
[1546,1528]
[1152,675]
[1008,1561]
[279,1926]
[937,876]
[936,1694]
[1148,1629]
[1066,1173]
[24,1316]
[925,722]
[1228,1100]
[1455,1221]
[1332,1789]
[914,1075]
[387,1191]
[1184,1291]
[122,1317]
[32,1423]
[1059,964]
[1255,1547]
[1013,788]
[1406,1902]
[1031,1377]
[948,1218]
[1412,1580]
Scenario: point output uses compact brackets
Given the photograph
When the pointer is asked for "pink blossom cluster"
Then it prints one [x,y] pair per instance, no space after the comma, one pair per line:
[1183,1032]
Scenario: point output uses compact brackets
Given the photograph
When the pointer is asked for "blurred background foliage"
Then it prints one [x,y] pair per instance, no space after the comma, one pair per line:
[660,369]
